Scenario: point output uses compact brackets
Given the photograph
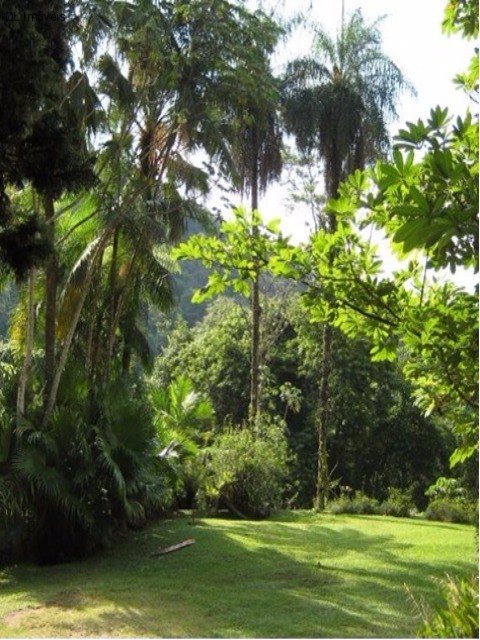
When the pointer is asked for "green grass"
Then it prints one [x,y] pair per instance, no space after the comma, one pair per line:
[298,575]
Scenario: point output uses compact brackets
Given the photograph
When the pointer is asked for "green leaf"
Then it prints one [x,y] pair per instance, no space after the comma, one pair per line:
[242,286]
[462,453]
[274,226]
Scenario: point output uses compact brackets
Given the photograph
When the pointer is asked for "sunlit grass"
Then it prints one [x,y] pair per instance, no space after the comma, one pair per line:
[298,575]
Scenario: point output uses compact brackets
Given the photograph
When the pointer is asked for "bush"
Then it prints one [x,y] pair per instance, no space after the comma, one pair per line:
[445,488]
[68,487]
[359,504]
[452,510]
[457,617]
[398,504]
[245,471]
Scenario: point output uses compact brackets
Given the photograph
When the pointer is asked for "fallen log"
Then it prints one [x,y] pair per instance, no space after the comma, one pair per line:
[174,547]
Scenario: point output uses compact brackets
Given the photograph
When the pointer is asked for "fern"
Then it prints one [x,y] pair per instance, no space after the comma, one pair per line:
[457,617]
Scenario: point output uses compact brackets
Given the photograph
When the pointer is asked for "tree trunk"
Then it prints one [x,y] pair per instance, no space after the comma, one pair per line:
[255,352]
[255,305]
[95,324]
[67,343]
[113,305]
[22,383]
[50,303]
[321,490]
[323,416]
[120,300]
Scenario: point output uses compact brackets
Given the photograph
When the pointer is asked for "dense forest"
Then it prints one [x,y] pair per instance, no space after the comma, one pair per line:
[158,355]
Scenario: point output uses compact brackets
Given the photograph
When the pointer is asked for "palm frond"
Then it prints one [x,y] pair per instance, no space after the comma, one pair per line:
[14,499]
[156,280]
[138,341]
[74,287]
[83,101]
[134,510]
[192,178]
[109,464]
[114,83]
[129,420]
[78,271]
[302,73]
[19,317]
[31,464]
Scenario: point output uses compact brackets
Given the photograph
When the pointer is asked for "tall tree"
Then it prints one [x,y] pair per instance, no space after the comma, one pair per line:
[185,108]
[337,103]
[44,144]
[31,57]
[157,121]
[196,103]
[258,157]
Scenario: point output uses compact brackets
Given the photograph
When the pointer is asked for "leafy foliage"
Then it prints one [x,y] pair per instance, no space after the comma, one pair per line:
[245,471]
[358,503]
[214,356]
[234,259]
[457,617]
[66,489]
[371,404]
[457,509]
[423,205]
[398,503]
[182,418]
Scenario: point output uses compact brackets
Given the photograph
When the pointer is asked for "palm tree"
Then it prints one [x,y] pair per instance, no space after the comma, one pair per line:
[338,102]
[258,158]
[156,121]
[238,129]
[337,105]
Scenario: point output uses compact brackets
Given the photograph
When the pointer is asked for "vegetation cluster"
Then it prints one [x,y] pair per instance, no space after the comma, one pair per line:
[337,386]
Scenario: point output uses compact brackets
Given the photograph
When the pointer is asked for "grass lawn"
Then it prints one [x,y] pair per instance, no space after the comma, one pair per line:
[297,575]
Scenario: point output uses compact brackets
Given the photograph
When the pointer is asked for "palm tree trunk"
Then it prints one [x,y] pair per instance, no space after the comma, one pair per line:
[115,320]
[130,320]
[255,349]
[22,383]
[50,303]
[321,490]
[113,304]
[255,306]
[92,340]
[67,343]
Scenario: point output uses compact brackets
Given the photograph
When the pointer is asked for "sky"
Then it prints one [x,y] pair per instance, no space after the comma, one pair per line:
[413,39]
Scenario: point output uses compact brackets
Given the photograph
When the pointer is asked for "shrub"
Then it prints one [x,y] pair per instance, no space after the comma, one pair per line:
[452,510]
[245,471]
[457,617]
[399,503]
[359,504]
[67,488]
[445,488]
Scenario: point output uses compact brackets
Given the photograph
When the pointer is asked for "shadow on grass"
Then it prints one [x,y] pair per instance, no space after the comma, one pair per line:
[295,576]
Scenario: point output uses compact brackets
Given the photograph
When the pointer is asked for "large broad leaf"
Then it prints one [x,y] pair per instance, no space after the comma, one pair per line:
[421,233]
